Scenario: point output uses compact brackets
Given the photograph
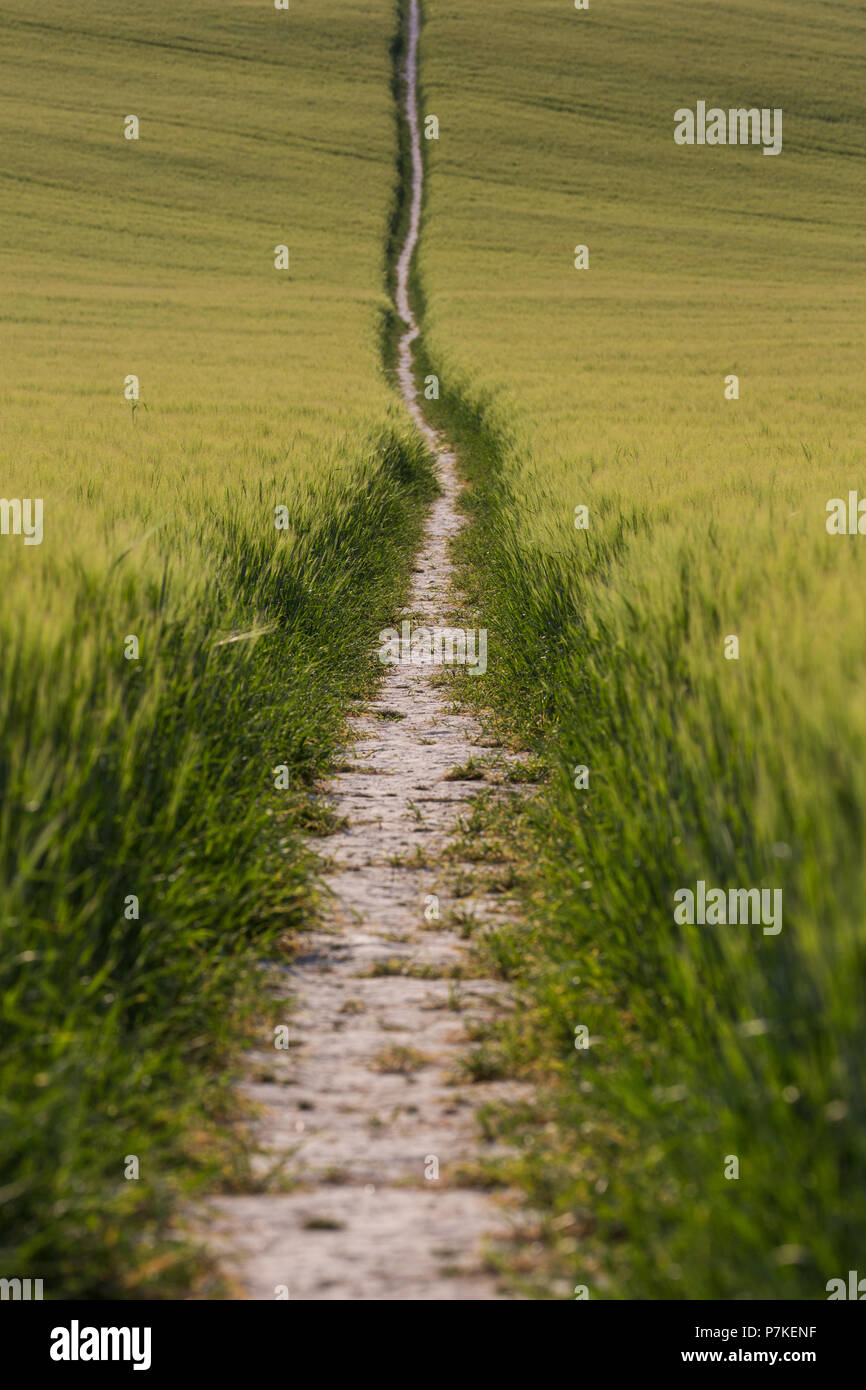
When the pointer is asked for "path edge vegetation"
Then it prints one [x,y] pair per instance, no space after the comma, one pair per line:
[703,1046]
[124,1038]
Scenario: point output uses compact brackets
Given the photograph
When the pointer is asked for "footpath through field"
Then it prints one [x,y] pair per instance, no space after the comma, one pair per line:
[379,1127]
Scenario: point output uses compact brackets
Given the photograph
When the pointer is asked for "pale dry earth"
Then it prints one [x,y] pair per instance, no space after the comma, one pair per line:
[370,1090]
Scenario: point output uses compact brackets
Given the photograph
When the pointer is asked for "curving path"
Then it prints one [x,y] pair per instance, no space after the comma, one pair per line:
[366,1094]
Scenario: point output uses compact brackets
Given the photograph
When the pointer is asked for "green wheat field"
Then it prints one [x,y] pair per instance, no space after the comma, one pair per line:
[147,862]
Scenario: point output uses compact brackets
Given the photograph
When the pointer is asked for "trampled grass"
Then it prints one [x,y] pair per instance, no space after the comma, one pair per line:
[155,778]
[605,387]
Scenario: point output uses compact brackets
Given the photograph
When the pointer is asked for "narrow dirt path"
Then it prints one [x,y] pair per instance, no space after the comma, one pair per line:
[372,1098]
